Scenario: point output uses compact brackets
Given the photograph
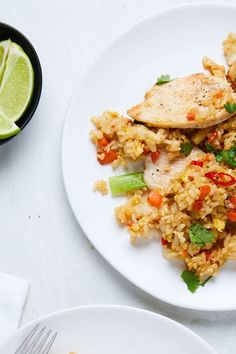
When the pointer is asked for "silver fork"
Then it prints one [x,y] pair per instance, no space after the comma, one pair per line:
[38,341]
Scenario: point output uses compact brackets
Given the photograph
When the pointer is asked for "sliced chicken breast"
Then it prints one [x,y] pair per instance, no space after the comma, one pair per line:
[229,46]
[194,101]
[159,174]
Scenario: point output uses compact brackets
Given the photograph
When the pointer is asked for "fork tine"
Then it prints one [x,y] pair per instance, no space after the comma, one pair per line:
[43,341]
[34,342]
[50,344]
[27,339]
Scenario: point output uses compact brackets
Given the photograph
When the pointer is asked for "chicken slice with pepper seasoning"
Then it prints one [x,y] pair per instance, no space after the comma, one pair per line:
[194,101]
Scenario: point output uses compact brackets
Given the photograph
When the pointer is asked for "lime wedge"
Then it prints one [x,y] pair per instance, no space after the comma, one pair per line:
[17,84]
[7,128]
[4,49]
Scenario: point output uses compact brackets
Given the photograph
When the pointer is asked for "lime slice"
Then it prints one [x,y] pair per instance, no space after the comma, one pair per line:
[4,49]
[17,84]
[7,128]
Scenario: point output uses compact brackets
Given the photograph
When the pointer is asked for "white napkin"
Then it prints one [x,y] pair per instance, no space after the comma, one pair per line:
[13,294]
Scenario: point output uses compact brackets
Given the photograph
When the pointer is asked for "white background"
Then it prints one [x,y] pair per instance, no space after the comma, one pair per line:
[39,238]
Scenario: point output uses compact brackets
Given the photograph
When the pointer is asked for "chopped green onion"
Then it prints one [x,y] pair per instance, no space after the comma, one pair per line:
[126,183]
[199,235]
[186,148]
[163,79]
[230,107]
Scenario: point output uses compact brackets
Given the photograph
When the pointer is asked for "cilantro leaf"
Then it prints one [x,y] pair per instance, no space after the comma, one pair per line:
[191,280]
[230,107]
[199,235]
[163,79]
[186,148]
[229,156]
[219,157]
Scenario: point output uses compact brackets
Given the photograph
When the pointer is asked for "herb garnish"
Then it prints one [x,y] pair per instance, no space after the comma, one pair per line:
[163,79]
[227,156]
[192,281]
[199,235]
[230,107]
[186,148]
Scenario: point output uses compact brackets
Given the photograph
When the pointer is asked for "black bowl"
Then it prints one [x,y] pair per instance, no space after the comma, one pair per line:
[8,32]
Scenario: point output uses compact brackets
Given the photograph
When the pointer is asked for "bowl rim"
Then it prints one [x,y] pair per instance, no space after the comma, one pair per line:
[37,90]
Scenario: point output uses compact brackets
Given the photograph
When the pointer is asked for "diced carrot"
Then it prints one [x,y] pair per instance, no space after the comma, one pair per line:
[155,156]
[190,178]
[231,216]
[212,136]
[208,157]
[146,150]
[208,255]
[155,199]
[204,191]
[109,156]
[103,142]
[184,253]
[219,94]
[164,242]
[197,205]
[191,116]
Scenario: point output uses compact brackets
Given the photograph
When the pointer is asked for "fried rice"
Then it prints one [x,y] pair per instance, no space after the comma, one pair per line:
[202,195]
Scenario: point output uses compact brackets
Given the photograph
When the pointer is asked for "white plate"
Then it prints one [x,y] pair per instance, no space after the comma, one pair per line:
[114,330]
[170,42]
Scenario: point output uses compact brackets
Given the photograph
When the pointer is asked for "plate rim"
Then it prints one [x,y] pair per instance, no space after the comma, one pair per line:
[112,307]
[79,221]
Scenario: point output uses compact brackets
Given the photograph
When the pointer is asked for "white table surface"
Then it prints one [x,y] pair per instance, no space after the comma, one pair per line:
[40,239]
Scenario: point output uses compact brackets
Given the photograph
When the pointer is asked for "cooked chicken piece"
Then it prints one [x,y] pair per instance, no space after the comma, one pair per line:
[229,46]
[194,101]
[159,174]
[214,68]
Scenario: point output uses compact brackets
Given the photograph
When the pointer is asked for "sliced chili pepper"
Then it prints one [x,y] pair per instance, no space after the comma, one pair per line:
[212,136]
[164,242]
[231,216]
[155,156]
[221,178]
[197,163]
[190,116]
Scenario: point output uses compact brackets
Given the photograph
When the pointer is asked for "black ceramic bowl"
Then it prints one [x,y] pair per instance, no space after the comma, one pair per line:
[8,32]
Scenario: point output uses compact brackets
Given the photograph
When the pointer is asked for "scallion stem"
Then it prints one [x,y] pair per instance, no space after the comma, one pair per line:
[126,183]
